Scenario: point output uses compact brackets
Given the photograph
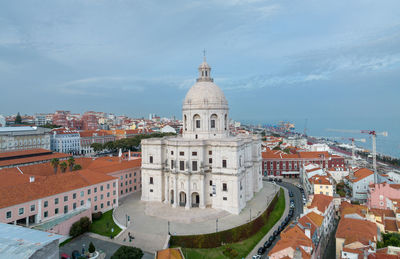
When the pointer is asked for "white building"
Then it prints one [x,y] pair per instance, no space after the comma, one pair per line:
[2,121]
[168,129]
[23,138]
[205,167]
[66,141]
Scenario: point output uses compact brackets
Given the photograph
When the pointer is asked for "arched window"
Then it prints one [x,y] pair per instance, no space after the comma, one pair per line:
[213,121]
[185,122]
[196,121]
[226,121]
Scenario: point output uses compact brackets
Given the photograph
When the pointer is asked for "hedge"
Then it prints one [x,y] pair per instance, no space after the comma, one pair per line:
[232,235]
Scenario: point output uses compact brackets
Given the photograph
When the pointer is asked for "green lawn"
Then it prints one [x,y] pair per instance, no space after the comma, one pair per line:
[104,225]
[244,247]
[65,242]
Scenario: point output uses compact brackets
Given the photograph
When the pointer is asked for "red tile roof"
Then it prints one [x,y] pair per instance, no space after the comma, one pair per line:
[321,202]
[362,231]
[33,159]
[23,152]
[360,174]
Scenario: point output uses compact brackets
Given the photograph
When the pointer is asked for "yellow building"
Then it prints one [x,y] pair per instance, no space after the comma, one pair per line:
[322,185]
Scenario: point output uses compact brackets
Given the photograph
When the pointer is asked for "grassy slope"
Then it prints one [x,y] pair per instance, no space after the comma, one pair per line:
[100,226]
[244,247]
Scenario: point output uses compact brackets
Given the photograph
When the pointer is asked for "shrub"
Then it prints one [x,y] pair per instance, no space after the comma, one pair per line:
[127,252]
[91,249]
[97,215]
[80,227]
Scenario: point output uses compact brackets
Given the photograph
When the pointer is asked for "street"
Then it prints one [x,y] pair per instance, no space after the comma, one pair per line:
[298,201]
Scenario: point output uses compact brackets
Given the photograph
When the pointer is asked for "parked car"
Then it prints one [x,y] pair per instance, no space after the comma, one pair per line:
[276,233]
[76,254]
[267,244]
[279,180]
[261,250]
[280,228]
[256,256]
[291,194]
[271,239]
[270,179]
[65,256]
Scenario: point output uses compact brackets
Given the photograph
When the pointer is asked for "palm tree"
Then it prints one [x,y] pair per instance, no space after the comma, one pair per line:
[63,166]
[71,163]
[54,162]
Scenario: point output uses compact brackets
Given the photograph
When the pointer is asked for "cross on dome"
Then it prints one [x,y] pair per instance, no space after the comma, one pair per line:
[204,70]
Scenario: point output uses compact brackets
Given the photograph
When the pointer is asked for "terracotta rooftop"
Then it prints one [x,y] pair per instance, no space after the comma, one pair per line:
[33,159]
[360,174]
[391,225]
[348,208]
[320,179]
[169,253]
[23,152]
[362,231]
[321,202]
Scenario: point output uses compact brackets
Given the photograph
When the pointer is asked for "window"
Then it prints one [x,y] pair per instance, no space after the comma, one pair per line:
[151,159]
[56,211]
[194,165]
[45,204]
[74,205]
[210,160]
[101,205]
[122,184]
[130,175]
[108,194]
[82,193]
[74,196]
[181,153]
[45,214]
[130,181]
[197,124]
[8,214]
[151,190]
[65,198]
[151,180]
[210,152]
[225,199]
[224,163]
[224,187]
[114,201]
[56,201]
[114,192]
[126,176]
[213,124]
[210,183]
[122,191]
[134,174]
[82,202]
[88,191]
[95,198]
[194,153]
[95,207]
[182,165]
[108,203]
[101,188]
[95,189]
[172,152]
[114,184]
[65,209]
[126,183]
[101,196]
[32,207]
[134,188]
[172,164]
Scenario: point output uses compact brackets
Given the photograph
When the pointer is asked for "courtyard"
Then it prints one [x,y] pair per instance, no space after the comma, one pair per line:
[150,221]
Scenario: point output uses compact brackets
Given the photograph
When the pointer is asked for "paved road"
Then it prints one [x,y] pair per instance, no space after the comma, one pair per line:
[298,201]
[108,248]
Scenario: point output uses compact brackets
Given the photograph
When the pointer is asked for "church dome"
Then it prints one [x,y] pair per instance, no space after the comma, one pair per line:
[204,92]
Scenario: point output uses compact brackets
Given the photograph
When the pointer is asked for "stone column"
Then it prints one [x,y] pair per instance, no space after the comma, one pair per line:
[188,196]
[166,191]
[202,194]
[27,221]
[175,192]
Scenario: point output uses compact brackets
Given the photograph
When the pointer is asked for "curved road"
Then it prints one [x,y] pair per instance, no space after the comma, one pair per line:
[298,201]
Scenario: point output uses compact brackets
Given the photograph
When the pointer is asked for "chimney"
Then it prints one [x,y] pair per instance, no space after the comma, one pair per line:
[297,254]
[31,179]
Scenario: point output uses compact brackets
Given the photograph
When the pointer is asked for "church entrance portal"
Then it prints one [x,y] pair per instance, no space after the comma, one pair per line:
[195,199]
[182,199]
[172,196]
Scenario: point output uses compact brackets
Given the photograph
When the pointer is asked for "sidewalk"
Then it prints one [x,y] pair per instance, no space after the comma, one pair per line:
[275,227]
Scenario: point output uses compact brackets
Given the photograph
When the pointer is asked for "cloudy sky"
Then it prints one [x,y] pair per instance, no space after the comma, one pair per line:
[287,59]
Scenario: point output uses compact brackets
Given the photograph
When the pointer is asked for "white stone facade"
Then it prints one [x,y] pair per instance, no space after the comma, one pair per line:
[205,167]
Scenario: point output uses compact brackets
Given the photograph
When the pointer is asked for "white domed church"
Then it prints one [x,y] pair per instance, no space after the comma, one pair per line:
[206,166]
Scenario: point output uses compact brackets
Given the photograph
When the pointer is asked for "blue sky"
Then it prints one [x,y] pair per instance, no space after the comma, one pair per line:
[273,59]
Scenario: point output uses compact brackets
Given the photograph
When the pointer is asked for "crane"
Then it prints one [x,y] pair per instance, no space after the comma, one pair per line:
[373,133]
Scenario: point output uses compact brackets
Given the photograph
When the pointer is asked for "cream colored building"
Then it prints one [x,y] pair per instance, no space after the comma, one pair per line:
[206,166]
[24,138]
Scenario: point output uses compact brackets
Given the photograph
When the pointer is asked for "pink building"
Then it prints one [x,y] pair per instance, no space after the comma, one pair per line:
[384,196]
[53,201]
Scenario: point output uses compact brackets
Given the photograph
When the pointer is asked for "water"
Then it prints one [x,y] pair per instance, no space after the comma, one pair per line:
[389,145]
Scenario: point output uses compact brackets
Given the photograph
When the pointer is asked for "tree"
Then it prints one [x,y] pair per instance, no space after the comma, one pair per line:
[125,252]
[97,147]
[91,249]
[63,166]
[79,227]
[77,167]
[18,119]
[54,162]
[71,163]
